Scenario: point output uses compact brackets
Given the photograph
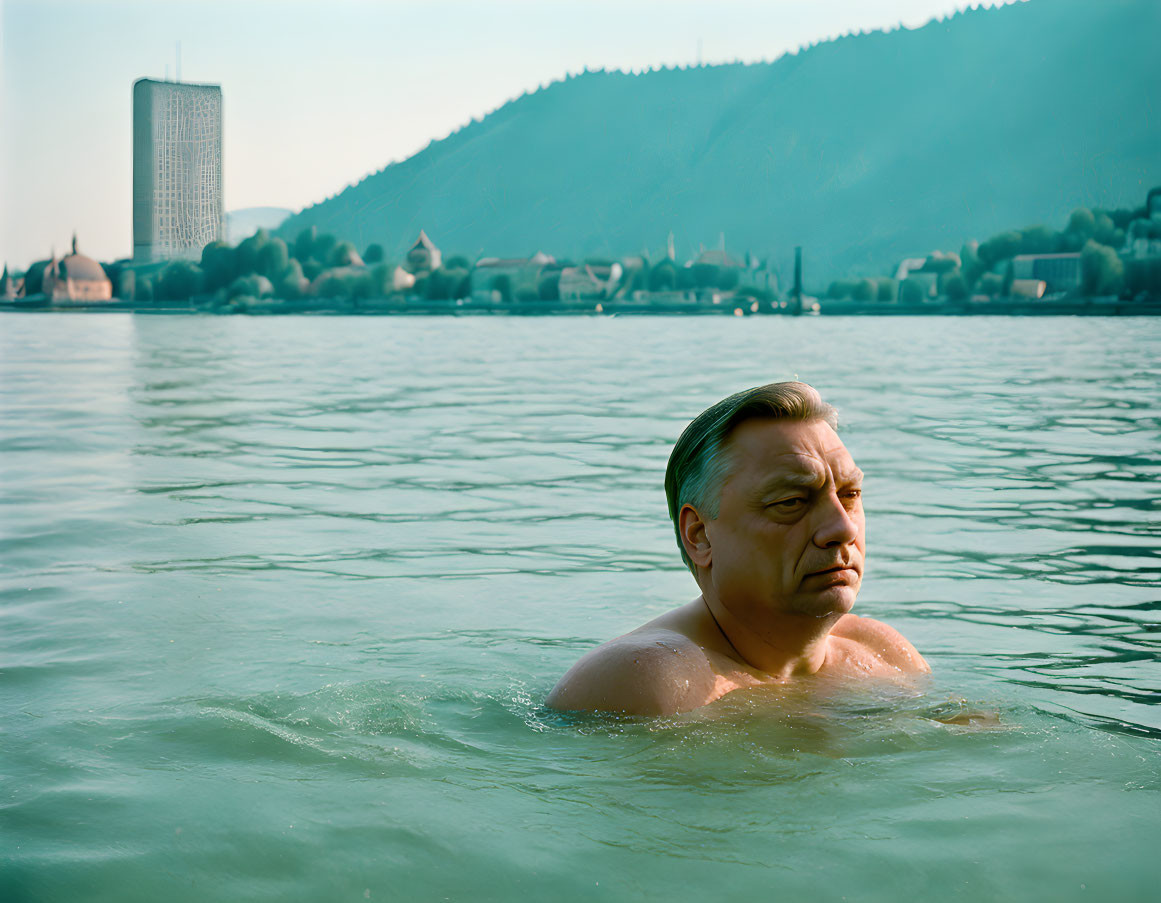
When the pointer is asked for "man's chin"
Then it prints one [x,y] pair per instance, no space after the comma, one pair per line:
[833,601]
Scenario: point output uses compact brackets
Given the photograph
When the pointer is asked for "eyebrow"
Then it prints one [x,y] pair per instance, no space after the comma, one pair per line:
[803,479]
[854,475]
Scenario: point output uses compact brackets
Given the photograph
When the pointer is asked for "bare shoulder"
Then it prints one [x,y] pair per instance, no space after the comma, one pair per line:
[651,671]
[884,641]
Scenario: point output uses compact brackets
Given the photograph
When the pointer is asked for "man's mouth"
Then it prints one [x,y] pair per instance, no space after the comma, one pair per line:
[840,573]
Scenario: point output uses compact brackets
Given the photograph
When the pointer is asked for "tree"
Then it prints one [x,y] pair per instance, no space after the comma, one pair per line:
[969,256]
[1144,276]
[864,290]
[840,288]
[331,285]
[956,287]
[381,280]
[1000,247]
[34,278]
[113,274]
[359,285]
[373,254]
[304,244]
[291,284]
[1101,270]
[705,275]
[1106,231]
[445,284]
[1148,229]
[887,289]
[343,254]
[663,277]
[273,258]
[1122,216]
[549,288]
[990,284]
[503,285]
[178,281]
[464,289]
[251,285]
[1039,240]
[127,285]
[1081,227]
[324,244]
[941,282]
[246,254]
[219,267]
[637,278]
[911,291]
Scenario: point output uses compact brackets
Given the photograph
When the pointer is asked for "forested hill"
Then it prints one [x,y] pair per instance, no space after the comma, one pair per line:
[863,149]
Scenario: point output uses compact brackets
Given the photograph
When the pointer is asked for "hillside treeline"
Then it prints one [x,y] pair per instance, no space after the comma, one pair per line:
[861,150]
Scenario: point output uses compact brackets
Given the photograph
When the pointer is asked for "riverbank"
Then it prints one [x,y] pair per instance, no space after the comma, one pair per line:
[396,306]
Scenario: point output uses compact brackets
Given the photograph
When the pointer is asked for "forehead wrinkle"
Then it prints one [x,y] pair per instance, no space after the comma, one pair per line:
[810,471]
[802,461]
[809,478]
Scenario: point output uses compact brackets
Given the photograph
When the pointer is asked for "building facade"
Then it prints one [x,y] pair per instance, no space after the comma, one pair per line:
[75,277]
[515,277]
[1060,272]
[589,281]
[177,169]
[424,257]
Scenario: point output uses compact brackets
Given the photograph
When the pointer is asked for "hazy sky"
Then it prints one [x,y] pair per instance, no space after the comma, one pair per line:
[317,95]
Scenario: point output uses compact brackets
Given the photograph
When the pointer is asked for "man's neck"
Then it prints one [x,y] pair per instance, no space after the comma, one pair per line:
[784,646]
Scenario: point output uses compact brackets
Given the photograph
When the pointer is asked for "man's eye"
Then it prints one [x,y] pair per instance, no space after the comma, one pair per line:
[786,504]
[852,493]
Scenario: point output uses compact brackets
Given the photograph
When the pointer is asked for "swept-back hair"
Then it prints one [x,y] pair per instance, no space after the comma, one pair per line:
[701,459]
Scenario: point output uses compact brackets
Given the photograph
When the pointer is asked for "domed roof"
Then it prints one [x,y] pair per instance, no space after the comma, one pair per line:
[78,266]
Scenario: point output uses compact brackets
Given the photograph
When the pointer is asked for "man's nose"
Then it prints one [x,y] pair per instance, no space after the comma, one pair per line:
[836,525]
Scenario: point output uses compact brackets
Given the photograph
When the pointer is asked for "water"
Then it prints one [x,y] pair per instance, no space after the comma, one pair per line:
[282,599]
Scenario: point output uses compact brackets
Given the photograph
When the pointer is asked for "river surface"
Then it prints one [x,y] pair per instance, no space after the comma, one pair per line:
[281,600]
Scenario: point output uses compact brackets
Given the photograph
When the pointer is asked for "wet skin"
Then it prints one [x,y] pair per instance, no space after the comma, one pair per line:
[779,568]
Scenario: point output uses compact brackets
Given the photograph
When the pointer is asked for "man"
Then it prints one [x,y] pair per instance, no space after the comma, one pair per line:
[767,505]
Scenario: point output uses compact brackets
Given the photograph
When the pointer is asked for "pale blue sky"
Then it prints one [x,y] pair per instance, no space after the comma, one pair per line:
[317,95]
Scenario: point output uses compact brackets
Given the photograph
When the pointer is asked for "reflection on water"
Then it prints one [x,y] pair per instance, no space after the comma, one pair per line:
[298,588]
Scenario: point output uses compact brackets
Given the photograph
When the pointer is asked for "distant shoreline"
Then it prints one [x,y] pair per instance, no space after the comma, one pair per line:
[1107,306]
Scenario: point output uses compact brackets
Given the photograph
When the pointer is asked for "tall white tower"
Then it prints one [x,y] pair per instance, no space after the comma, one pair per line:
[177,169]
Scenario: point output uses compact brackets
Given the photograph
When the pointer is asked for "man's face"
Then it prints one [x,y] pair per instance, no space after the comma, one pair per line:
[789,537]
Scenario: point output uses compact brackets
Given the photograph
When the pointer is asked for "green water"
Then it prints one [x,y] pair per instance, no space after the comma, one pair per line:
[281,600]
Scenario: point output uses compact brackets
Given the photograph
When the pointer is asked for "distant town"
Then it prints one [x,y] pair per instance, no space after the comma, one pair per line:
[1101,262]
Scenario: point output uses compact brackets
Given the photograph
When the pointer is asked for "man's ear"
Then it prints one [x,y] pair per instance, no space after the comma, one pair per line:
[694,537]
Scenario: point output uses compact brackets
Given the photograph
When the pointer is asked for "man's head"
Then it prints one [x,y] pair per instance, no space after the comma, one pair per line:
[765,501]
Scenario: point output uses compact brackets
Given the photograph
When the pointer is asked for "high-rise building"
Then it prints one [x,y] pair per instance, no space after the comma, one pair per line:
[177,169]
